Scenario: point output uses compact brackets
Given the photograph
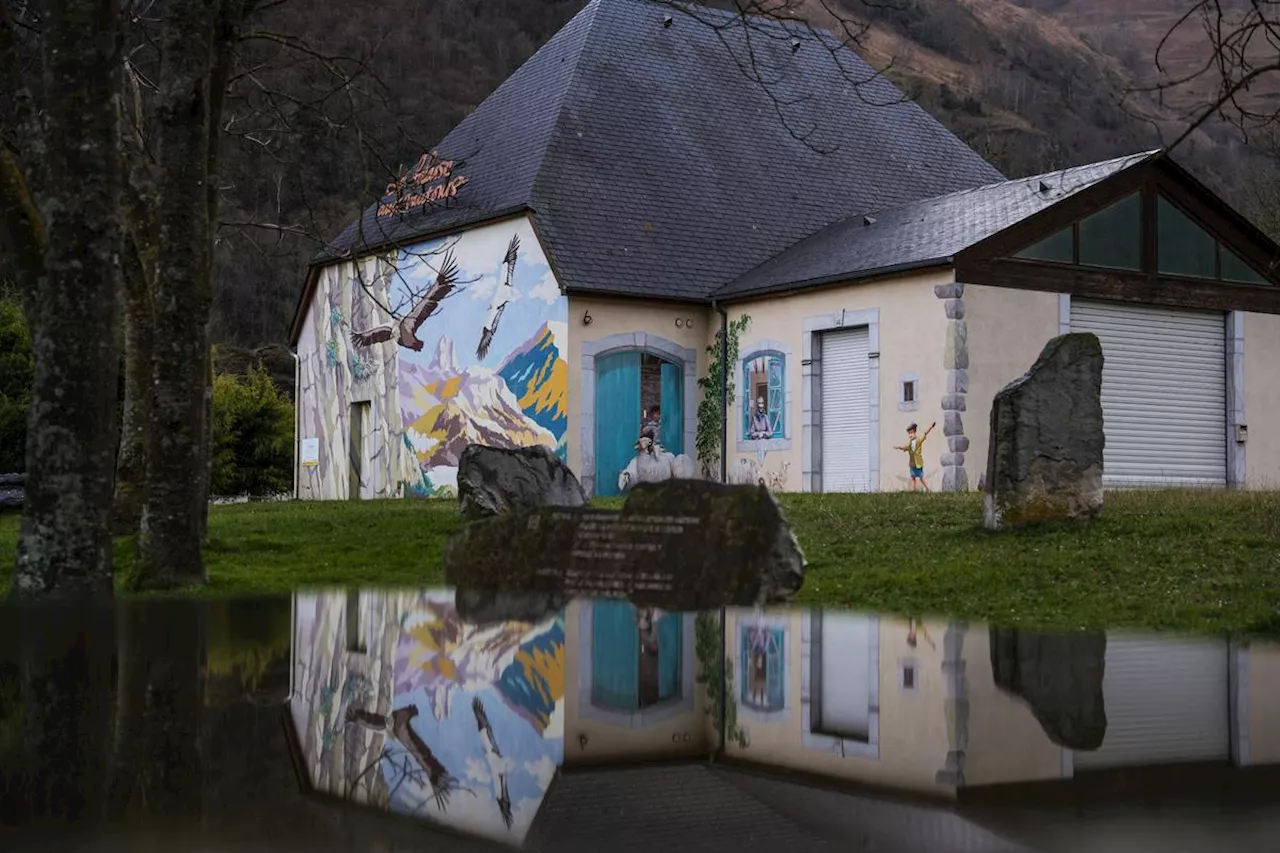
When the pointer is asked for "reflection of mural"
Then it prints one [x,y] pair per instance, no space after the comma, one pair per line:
[451,722]
[455,340]
[763,661]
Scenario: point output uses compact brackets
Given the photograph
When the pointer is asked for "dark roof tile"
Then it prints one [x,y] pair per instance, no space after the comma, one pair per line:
[656,167]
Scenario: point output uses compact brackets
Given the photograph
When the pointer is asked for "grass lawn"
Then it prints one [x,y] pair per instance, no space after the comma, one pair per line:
[1183,560]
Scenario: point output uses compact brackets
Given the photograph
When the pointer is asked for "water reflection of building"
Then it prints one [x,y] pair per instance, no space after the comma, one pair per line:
[398,703]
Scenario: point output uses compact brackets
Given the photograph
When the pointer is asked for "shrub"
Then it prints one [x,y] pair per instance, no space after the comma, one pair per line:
[252,435]
[17,367]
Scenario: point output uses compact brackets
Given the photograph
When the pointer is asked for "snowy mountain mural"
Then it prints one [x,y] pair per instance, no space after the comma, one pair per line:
[481,326]
[539,377]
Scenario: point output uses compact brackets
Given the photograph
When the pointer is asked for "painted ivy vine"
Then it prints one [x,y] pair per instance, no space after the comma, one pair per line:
[709,642]
[710,417]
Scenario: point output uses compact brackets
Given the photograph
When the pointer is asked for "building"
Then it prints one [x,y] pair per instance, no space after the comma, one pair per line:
[562,261]
[593,727]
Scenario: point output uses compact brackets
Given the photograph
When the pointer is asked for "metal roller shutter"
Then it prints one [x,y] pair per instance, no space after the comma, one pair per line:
[1164,395]
[846,411]
[1167,701]
[845,671]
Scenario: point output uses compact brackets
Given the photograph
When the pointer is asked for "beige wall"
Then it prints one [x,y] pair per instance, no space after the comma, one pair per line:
[912,326]
[611,317]
[1007,330]
[913,735]
[1006,742]
[589,741]
[1262,400]
[1264,702]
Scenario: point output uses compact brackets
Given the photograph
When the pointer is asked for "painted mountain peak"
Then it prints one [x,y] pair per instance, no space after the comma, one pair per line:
[538,376]
[444,409]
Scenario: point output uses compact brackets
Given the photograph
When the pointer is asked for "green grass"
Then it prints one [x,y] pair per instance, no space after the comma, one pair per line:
[1202,561]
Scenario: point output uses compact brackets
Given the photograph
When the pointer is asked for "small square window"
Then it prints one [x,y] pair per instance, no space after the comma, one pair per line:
[909,675]
[909,391]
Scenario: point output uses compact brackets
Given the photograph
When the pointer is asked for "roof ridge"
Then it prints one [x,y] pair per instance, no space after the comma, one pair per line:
[554,135]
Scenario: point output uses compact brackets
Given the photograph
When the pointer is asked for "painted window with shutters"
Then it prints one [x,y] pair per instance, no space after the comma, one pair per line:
[762,662]
[764,382]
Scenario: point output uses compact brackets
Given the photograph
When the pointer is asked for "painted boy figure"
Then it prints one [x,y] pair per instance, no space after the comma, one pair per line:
[915,455]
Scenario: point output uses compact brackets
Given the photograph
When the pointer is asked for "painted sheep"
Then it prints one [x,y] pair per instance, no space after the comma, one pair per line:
[653,464]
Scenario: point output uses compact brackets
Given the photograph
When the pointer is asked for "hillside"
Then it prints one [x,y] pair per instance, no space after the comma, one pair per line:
[1033,85]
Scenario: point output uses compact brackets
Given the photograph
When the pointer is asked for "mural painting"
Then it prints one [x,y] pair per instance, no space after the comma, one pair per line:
[346,395]
[442,720]
[480,326]
[763,661]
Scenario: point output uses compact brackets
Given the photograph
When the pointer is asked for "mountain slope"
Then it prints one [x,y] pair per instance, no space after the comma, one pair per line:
[539,377]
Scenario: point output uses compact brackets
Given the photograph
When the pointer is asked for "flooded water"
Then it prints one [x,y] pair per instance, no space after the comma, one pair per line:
[383,721]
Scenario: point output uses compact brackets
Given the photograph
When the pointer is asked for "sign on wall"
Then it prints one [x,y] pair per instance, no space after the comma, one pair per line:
[310,452]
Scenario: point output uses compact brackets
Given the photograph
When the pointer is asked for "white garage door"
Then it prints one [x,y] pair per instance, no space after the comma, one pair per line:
[1164,394]
[845,672]
[1166,700]
[846,411]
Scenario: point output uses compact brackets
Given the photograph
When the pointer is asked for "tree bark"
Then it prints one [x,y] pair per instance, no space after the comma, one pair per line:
[157,759]
[65,543]
[131,464]
[172,517]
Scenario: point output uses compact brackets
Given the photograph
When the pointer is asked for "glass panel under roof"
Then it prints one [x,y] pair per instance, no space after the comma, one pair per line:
[1055,248]
[1234,268]
[1113,237]
[1183,247]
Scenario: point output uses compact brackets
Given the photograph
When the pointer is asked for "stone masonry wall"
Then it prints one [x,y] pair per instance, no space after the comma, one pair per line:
[955,358]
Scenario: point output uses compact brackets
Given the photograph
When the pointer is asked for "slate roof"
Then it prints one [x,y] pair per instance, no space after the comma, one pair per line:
[918,234]
[656,167]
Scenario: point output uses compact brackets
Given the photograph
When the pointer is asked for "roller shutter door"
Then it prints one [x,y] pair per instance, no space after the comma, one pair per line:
[1164,395]
[1167,701]
[846,411]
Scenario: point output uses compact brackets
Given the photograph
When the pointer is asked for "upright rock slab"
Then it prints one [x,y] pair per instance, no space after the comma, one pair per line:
[679,545]
[1060,677]
[1045,458]
[493,481]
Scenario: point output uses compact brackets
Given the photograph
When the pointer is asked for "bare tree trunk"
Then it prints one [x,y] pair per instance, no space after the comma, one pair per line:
[172,516]
[131,465]
[65,544]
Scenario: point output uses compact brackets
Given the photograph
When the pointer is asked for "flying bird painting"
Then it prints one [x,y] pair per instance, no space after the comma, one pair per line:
[497,766]
[500,299]
[398,727]
[406,330]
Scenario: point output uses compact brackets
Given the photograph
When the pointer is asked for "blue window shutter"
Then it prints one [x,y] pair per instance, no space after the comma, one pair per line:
[669,655]
[777,663]
[617,417]
[777,395]
[673,408]
[615,656]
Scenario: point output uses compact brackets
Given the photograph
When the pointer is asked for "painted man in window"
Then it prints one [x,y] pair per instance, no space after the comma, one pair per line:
[915,456]
[760,428]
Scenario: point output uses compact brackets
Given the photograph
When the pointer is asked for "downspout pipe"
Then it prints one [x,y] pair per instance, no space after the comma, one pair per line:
[297,422]
[724,389]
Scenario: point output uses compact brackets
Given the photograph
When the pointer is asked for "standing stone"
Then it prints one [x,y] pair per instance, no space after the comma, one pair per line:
[1060,677]
[680,545]
[493,480]
[1045,457]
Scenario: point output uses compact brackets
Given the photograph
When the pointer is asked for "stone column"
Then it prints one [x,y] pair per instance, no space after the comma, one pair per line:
[955,358]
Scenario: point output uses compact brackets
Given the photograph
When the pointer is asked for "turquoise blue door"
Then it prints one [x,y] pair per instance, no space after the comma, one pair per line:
[615,656]
[673,408]
[669,653]
[617,417]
